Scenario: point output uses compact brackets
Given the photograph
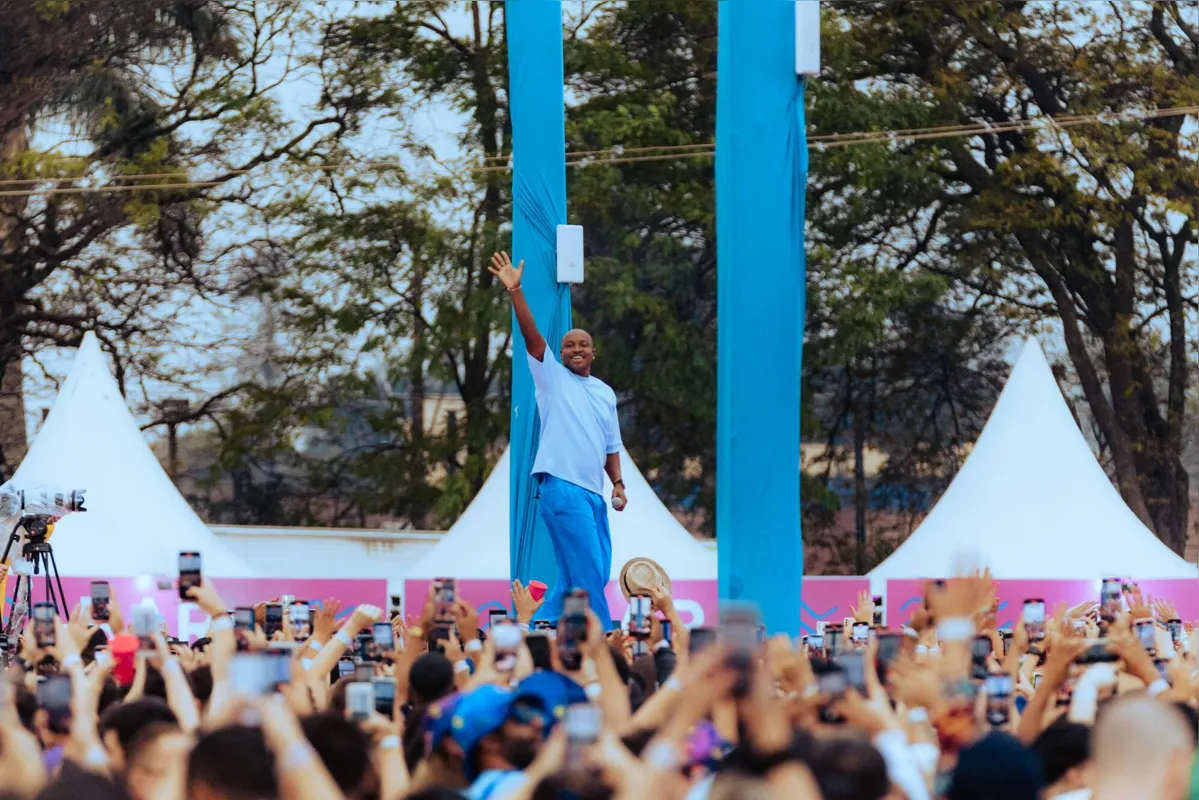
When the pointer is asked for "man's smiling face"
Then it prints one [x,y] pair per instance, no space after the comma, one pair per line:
[578,352]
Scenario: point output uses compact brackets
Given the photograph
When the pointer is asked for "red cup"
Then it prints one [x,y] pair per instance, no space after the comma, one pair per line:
[537,589]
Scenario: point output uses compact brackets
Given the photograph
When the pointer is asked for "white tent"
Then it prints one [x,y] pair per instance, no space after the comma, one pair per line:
[136,521]
[476,546]
[1032,501]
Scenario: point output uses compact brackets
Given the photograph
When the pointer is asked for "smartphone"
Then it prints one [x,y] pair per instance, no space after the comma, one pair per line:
[878,610]
[286,600]
[831,683]
[274,619]
[815,643]
[1111,598]
[364,671]
[999,699]
[739,634]
[301,621]
[506,638]
[861,633]
[667,632]
[981,647]
[889,643]
[384,638]
[852,664]
[189,573]
[444,596]
[1174,626]
[345,667]
[243,618]
[1034,619]
[496,616]
[360,700]
[640,610]
[43,625]
[364,646]
[144,618]
[701,638]
[385,696]
[1036,679]
[539,650]
[833,639]
[582,723]
[54,697]
[1163,668]
[572,629]
[1147,635]
[397,607]
[1006,638]
[101,596]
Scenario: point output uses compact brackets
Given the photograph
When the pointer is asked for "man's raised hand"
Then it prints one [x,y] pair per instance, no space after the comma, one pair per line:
[501,267]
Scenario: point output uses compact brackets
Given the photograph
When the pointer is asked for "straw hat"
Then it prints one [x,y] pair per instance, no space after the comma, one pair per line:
[639,574]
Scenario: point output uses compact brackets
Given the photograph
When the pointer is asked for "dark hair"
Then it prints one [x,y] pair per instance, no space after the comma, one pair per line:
[146,737]
[200,680]
[129,719]
[637,740]
[234,761]
[850,768]
[110,694]
[437,793]
[26,702]
[201,644]
[342,746]
[430,678]
[1062,746]
[73,783]
[98,639]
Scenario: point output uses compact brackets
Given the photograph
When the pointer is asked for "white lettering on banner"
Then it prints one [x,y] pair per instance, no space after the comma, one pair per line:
[190,627]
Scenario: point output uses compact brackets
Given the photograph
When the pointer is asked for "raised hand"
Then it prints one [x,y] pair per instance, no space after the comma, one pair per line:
[524,603]
[501,267]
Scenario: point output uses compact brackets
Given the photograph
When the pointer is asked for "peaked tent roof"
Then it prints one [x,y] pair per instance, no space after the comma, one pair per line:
[136,521]
[476,546]
[1032,501]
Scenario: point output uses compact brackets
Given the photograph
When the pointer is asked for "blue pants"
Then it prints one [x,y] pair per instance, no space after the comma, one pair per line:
[578,525]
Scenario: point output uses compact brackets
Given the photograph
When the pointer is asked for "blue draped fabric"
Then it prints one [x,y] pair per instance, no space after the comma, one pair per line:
[537,105]
[761,174]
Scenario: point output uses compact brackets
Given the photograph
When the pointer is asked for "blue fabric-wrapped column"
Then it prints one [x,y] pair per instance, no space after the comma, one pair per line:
[761,175]
[537,106]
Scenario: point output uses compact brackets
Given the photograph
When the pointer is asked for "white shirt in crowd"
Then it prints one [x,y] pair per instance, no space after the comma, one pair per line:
[579,426]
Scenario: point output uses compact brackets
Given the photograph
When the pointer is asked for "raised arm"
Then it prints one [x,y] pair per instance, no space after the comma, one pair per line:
[501,267]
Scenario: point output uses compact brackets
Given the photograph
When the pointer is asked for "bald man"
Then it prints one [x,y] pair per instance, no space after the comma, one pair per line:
[1141,747]
[580,441]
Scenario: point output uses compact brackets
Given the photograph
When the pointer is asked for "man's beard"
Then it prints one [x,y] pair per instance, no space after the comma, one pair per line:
[520,752]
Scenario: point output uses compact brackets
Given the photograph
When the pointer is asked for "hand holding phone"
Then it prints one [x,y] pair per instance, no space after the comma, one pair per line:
[44,633]
[572,629]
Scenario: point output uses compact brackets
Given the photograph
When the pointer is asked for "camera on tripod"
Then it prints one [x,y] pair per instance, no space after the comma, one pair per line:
[35,511]
[40,501]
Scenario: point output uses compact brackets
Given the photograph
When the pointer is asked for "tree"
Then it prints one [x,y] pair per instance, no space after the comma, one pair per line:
[157,93]
[1088,222]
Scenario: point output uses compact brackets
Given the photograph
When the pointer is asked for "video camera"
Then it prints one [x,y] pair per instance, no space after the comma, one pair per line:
[40,501]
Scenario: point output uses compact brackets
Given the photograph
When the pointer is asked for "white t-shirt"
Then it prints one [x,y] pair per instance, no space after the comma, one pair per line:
[579,426]
[496,784]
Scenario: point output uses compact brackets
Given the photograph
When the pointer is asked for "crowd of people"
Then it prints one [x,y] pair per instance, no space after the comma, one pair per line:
[1086,704]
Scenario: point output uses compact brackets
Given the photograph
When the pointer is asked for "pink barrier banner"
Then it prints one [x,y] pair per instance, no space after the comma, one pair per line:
[824,599]
[186,621]
[904,596]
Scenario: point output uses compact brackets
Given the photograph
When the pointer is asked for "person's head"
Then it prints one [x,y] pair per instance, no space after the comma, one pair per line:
[430,678]
[200,680]
[154,759]
[343,747]
[231,763]
[1065,751]
[996,767]
[849,768]
[1141,745]
[120,725]
[578,352]
[494,733]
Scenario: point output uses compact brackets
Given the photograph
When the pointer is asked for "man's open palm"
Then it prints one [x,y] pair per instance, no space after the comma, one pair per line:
[501,267]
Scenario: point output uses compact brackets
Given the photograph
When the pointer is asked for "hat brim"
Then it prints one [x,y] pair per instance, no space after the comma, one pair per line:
[663,579]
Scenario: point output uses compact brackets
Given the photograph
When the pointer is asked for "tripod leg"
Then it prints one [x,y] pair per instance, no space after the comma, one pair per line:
[53,564]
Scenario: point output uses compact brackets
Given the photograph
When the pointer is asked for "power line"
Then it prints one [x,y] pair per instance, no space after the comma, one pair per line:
[616,155]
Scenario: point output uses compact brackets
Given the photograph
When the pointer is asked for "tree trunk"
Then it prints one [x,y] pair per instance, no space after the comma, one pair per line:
[13,435]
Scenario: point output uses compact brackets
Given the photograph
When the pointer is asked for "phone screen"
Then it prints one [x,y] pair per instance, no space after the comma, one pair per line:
[385,696]
[101,597]
[444,596]
[833,637]
[1111,597]
[878,610]
[861,633]
[1147,635]
[701,638]
[539,650]
[360,700]
[640,610]
[496,616]
[832,683]
[888,647]
[853,666]
[43,625]
[667,631]
[572,629]
[300,617]
[189,573]
[274,619]
[54,694]
[243,618]
[1175,628]
[143,626]
[980,647]
[384,637]
[583,723]
[999,698]
[816,642]
[1034,619]
[345,667]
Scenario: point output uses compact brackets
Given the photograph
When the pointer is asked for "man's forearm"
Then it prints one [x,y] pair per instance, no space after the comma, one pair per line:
[534,341]
[612,467]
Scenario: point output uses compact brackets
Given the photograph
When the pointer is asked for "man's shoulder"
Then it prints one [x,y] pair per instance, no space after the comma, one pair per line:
[600,387]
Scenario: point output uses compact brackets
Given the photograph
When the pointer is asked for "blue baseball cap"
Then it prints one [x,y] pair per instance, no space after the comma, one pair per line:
[553,691]
[478,714]
[439,718]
